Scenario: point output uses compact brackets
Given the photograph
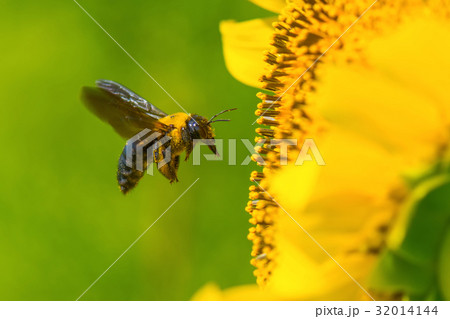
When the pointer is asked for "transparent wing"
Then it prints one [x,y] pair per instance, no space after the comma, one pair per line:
[127,112]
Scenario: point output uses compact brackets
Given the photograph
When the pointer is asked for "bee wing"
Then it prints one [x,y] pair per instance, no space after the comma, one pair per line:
[127,112]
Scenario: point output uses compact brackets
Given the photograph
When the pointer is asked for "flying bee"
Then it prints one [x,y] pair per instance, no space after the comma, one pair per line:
[130,115]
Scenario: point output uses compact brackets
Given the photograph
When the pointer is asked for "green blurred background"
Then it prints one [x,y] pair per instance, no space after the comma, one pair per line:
[63,220]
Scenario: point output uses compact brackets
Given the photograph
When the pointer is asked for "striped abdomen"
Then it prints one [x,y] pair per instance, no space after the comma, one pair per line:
[133,163]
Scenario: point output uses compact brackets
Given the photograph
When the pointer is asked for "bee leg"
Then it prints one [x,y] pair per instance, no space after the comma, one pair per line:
[169,170]
[188,153]
[176,164]
[189,148]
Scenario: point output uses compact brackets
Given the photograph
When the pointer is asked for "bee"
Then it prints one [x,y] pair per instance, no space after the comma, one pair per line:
[130,115]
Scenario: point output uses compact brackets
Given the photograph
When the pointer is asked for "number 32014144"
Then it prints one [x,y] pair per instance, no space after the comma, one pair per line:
[405,310]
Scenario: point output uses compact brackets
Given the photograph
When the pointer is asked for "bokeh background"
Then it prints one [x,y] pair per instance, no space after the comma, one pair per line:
[63,220]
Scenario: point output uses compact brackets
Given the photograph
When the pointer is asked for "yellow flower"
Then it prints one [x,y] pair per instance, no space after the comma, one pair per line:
[367,81]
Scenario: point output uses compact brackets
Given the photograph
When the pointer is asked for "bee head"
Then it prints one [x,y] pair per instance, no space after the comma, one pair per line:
[200,128]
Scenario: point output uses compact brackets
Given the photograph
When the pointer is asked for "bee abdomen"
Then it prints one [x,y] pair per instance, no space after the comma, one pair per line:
[130,172]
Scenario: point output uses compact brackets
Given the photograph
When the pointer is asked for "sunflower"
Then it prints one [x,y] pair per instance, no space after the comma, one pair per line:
[367,82]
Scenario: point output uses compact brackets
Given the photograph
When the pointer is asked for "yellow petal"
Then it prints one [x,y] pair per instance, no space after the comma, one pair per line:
[357,165]
[398,99]
[355,169]
[209,292]
[417,55]
[299,277]
[292,185]
[212,292]
[271,5]
[382,110]
[346,203]
[243,46]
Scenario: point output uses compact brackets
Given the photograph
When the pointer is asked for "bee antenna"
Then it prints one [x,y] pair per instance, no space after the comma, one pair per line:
[212,118]
[220,120]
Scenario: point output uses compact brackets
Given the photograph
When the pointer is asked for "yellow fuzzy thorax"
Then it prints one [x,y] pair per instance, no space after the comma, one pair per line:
[177,123]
